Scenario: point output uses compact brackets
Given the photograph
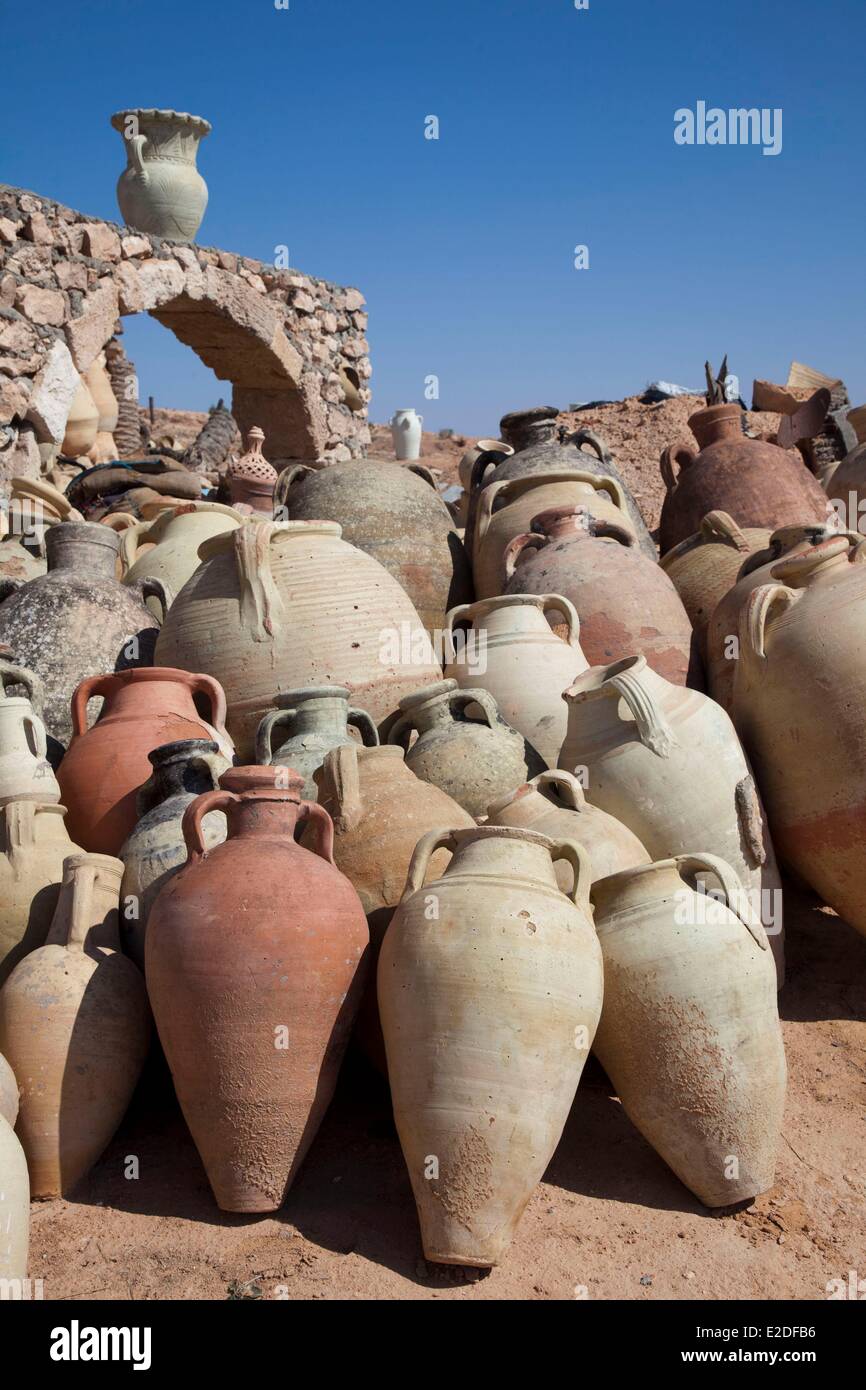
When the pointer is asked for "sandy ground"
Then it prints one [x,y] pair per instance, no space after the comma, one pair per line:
[610,1221]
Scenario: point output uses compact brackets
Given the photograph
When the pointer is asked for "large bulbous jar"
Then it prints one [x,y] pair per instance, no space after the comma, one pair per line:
[278,606]
[511,651]
[156,849]
[490,990]
[627,604]
[255,955]
[689,1032]
[394,513]
[75,1026]
[755,482]
[537,447]
[799,693]
[34,843]
[721,640]
[77,620]
[667,762]
[161,191]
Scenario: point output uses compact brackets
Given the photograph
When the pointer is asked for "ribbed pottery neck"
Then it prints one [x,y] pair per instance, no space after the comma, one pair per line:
[523,429]
[86,916]
[262,816]
[503,852]
[319,710]
[631,888]
[510,618]
[83,547]
[715,423]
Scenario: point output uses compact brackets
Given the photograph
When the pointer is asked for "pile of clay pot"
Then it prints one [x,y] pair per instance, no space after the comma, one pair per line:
[455,791]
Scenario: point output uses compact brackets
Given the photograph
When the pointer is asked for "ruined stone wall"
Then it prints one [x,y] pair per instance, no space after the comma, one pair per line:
[280,337]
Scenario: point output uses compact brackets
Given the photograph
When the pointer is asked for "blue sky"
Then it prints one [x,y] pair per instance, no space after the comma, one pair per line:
[556,129]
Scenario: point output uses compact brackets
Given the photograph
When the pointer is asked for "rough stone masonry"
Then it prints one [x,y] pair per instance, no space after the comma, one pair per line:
[284,340]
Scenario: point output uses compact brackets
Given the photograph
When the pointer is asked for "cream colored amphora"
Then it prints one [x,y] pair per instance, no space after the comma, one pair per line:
[25,772]
[490,989]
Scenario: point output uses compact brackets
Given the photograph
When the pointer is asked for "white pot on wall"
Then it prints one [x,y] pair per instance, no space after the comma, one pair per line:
[406,428]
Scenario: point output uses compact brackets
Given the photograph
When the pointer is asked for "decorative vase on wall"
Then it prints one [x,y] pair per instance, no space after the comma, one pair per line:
[161,191]
[406,428]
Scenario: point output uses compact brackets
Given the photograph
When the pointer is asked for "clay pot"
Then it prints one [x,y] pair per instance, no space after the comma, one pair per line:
[254,953]
[172,539]
[496,450]
[689,1032]
[34,843]
[627,604]
[407,429]
[511,652]
[539,448]
[75,1026]
[252,480]
[393,513]
[8,1094]
[278,606]
[14,1205]
[25,772]
[554,804]
[316,720]
[77,620]
[380,811]
[471,760]
[156,849]
[705,566]
[507,509]
[722,642]
[799,691]
[161,191]
[106,764]
[756,483]
[82,423]
[489,1006]
[666,762]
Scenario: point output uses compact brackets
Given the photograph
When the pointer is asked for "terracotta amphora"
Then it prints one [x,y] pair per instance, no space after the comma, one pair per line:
[156,849]
[394,513]
[75,1027]
[540,445]
[314,721]
[77,620]
[25,772]
[255,954]
[472,760]
[34,843]
[278,606]
[490,989]
[172,539]
[689,1032]
[380,811]
[510,650]
[722,641]
[554,804]
[755,482]
[667,762]
[106,764]
[705,566]
[799,693]
[507,509]
[14,1205]
[627,604]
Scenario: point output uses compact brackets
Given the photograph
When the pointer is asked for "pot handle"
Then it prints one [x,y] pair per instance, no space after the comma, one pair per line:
[559,603]
[130,536]
[654,731]
[9,586]
[565,782]
[10,674]
[135,156]
[311,813]
[756,612]
[151,587]
[515,549]
[285,480]
[461,613]
[681,454]
[421,856]
[207,685]
[365,725]
[578,858]
[37,728]
[261,607]
[194,815]
[264,734]
[89,687]
[584,436]
[736,897]
[423,472]
[459,699]
[341,784]
[720,526]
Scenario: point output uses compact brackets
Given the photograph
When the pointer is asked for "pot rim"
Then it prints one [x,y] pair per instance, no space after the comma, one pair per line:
[162,116]
[589,684]
[287,699]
